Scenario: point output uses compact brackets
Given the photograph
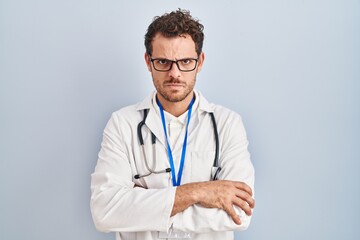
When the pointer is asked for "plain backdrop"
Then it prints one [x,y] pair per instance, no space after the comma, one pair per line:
[290,68]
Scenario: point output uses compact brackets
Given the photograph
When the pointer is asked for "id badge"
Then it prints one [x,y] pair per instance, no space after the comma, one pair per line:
[175,235]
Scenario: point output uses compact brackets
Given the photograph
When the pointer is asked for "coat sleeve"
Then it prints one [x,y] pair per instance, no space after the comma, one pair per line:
[235,165]
[116,205]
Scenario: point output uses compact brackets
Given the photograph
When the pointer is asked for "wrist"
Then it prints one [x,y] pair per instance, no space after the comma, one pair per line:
[193,192]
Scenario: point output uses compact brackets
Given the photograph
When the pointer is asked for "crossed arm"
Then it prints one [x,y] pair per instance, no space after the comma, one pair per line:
[112,195]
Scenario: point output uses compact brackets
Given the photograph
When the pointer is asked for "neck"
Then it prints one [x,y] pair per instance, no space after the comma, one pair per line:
[176,108]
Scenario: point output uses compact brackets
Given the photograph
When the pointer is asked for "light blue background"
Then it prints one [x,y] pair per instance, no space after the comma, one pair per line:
[290,68]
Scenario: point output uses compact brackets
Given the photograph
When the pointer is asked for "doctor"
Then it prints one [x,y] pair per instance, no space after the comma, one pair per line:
[155,180]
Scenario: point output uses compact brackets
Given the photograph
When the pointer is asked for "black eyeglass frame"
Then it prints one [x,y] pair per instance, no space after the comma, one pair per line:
[172,62]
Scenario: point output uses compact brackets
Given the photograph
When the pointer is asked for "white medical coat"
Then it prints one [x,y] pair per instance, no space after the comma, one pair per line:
[141,212]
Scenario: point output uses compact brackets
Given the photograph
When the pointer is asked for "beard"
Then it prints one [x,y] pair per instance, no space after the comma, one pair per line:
[175,95]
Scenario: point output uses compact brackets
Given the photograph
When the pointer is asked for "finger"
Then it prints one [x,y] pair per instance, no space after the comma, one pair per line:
[245,197]
[243,205]
[231,212]
[243,186]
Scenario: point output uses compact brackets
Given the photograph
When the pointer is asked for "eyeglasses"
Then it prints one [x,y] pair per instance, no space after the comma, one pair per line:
[164,65]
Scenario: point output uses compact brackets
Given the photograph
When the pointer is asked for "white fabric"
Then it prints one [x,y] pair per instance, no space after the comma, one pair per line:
[141,212]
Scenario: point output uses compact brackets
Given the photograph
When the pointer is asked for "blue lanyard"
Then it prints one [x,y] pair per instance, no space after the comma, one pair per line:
[183,153]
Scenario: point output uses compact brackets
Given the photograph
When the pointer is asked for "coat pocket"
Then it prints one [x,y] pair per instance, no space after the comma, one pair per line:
[201,165]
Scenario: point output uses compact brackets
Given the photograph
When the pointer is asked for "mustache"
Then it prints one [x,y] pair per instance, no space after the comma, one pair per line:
[173,80]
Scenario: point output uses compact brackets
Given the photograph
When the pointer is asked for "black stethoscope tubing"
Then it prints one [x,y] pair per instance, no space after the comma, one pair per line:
[153,141]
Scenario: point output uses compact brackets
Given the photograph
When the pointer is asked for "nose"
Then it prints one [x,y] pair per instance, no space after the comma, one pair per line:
[174,72]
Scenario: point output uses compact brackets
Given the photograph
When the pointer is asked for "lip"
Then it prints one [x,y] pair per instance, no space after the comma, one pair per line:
[174,85]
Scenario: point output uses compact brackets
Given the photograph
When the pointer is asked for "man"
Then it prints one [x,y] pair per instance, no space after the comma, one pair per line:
[155,174]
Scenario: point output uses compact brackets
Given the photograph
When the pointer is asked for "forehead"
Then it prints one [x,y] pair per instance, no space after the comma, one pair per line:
[173,47]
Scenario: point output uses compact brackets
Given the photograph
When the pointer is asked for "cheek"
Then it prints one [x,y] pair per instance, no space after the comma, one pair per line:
[158,78]
[190,77]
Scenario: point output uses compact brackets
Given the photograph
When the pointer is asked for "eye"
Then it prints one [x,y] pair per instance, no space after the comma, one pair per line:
[163,61]
[187,61]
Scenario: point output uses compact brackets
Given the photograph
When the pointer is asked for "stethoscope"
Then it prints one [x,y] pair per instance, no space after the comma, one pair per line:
[151,170]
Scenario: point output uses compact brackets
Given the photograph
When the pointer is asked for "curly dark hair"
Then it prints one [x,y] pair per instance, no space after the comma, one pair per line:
[175,24]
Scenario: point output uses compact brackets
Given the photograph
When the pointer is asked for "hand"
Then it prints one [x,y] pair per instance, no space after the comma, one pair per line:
[224,194]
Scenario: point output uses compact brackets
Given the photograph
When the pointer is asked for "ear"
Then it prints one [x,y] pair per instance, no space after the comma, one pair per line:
[200,62]
[148,62]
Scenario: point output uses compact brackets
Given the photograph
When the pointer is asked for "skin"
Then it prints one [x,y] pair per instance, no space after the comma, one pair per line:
[175,89]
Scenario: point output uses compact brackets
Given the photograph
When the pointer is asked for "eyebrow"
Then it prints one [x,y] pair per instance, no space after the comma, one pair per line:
[162,58]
